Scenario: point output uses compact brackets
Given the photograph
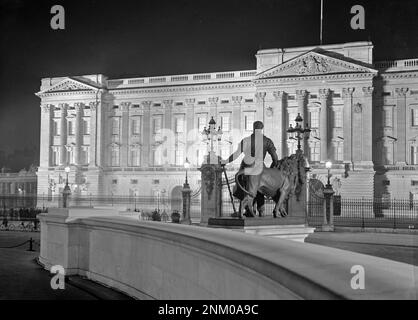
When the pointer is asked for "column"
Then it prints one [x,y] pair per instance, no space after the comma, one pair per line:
[347,124]
[101,114]
[260,99]
[146,154]
[280,119]
[169,132]
[93,133]
[367,157]
[323,123]
[63,134]
[124,106]
[213,101]
[190,118]
[46,135]
[402,125]
[78,132]
[301,98]
[236,120]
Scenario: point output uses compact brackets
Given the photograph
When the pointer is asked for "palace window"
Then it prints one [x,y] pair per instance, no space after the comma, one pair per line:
[314,151]
[157,156]
[136,125]
[57,127]
[179,124]
[415,117]
[86,155]
[338,119]
[179,157]
[114,157]
[86,126]
[249,118]
[115,126]
[314,119]
[388,117]
[70,128]
[339,152]
[156,125]
[70,156]
[135,157]
[201,121]
[414,154]
[225,122]
[55,156]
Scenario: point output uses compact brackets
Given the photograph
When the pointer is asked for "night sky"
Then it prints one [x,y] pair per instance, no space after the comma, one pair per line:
[147,38]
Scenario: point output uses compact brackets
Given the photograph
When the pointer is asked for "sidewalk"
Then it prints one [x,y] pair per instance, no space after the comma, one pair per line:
[21,277]
[398,247]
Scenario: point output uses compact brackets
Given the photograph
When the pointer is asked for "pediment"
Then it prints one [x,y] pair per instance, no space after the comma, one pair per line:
[68,85]
[315,63]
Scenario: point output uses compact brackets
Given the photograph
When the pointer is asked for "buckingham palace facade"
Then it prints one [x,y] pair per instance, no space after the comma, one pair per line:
[132,136]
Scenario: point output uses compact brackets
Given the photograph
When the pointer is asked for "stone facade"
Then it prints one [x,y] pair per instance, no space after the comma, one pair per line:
[18,189]
[132,136]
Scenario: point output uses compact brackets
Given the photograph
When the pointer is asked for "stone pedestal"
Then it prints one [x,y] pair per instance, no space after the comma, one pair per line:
[186,193]
[328,224]
[211,202]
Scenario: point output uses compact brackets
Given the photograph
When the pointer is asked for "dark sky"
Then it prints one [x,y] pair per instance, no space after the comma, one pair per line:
[145,38]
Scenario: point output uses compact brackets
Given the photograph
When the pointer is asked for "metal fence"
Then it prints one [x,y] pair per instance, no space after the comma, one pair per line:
[367,213]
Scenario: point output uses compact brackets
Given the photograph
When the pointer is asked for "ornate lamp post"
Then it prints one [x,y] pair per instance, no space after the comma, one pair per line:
[328,224]
[186,166]
[186,193]
[67,191]
[210,134]
[299,130]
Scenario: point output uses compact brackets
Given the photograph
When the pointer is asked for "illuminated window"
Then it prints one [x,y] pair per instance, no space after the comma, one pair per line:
[314,152]
[339,152]
[338,119]
[226,122]
[414,154]
[179,125]
[114,157]
[249,118]
[156,155]
[314,121]
[136,157]
[57,127]
[388,117]
[201,121]
[179,157]
[70,126]
[115,126]
[136,125]
[415,117]
[86,126]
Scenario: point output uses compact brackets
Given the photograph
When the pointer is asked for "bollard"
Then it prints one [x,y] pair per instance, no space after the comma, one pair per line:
[31,245]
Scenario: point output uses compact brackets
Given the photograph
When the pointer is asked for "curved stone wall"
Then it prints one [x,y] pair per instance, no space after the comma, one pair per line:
[154,260]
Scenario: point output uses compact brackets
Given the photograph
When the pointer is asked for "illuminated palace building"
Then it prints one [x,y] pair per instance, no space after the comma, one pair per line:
[132,136]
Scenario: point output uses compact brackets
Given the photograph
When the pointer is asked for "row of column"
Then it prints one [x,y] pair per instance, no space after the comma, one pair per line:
[47,133]
[357,132]
[12,187]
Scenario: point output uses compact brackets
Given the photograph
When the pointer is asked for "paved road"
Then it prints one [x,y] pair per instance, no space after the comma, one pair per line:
[22,278]
[398,247]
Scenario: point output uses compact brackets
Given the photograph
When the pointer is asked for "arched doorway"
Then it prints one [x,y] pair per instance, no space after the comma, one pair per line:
[176,198]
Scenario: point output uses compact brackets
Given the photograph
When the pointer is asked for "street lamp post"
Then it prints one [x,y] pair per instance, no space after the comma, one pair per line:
[67,191]
[210,134]
[328,224]
[186,193]
[299,130]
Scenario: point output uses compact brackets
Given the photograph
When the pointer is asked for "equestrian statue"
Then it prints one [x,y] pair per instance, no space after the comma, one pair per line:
[254,181]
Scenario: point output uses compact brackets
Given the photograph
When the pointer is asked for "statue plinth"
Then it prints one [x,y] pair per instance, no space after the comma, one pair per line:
[211,191]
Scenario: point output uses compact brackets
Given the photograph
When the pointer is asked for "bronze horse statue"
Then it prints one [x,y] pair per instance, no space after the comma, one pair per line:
[277,183]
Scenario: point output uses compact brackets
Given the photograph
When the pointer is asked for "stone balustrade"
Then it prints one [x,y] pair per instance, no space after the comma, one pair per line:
[152,260]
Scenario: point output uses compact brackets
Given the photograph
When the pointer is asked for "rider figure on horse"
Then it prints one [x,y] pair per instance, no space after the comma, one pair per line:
[255,147]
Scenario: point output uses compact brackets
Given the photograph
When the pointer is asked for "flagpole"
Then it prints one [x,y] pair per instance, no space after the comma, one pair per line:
[322,14]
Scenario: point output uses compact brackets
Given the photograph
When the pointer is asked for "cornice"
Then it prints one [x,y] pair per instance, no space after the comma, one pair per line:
[334,76]
[399,75]
[194,88]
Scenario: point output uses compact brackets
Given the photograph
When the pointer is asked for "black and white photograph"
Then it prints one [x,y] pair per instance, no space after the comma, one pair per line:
[205,157]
